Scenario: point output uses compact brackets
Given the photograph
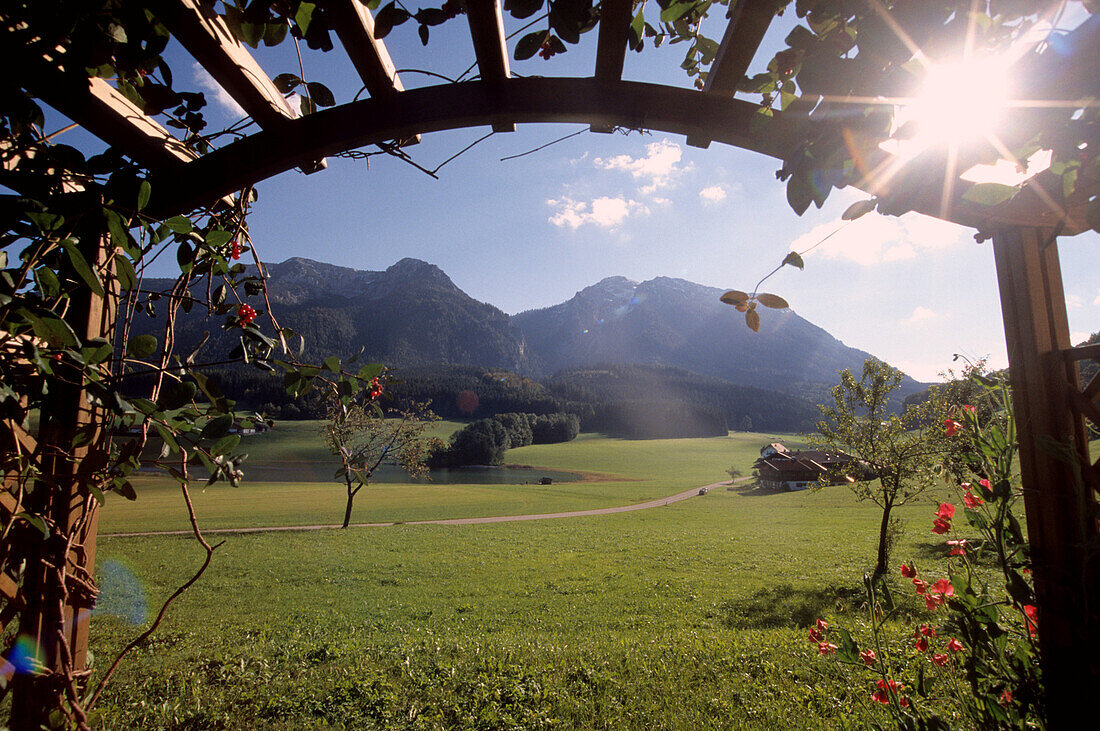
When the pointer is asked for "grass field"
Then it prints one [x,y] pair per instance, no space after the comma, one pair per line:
[689,616]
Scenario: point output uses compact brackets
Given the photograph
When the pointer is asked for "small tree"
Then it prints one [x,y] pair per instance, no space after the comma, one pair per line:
[365,438]
[898,452]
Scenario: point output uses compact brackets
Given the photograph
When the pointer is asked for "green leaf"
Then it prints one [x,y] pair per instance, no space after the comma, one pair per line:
[800,192]
[989,194]
[676,10]
[304,16]
[752,320]
[530,44]
[794,259]
[174,394]
[218,427]
[389,16]
[847,650]
[35,521]
[332,363]
[422,30]
[48,283]
[141,346]
[80,264]
[185,257]
[523,8]
[321,94]
[369,371]
[218,238]
[179,224]
[735,297]
[286,83]
[431,16]
[226,444]
[145,191]
[773,301]
[859,209]
[124,270]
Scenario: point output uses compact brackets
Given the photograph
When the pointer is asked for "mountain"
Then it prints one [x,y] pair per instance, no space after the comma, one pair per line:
[410,314]
[673,322]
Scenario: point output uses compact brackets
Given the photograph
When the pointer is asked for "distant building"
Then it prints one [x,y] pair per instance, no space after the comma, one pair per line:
[779,468]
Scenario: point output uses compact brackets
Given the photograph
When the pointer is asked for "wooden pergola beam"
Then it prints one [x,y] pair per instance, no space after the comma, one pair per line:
[355,28]
[749,21]
[614,33]
[611,46]
[206,37]
[628,104]
[490,46]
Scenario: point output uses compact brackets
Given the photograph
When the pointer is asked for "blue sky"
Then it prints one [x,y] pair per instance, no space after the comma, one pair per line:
[530,232]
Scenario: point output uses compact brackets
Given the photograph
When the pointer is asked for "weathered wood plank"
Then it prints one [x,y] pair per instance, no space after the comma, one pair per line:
[490,46]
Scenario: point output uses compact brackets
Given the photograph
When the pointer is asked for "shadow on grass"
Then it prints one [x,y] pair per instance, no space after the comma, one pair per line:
[785,606]
[752,489]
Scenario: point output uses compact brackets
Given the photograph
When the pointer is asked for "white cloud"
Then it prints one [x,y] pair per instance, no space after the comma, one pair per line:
[713,194]
[604,212]
[920,314]
[1075,301]
[659,166]
[206,82]
[875,239]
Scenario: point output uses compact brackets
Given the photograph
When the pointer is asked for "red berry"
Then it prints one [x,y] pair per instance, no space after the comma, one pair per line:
[235,250]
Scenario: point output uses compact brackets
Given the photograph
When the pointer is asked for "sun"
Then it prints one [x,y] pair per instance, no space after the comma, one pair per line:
[962,102]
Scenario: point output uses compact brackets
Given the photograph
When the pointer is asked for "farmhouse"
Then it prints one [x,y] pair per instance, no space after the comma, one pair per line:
[779,468]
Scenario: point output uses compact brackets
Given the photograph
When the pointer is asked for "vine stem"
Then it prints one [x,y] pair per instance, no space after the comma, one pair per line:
[175,595]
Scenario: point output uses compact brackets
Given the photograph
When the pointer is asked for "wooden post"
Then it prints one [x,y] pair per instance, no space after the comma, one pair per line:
[52,610]
[1061,509]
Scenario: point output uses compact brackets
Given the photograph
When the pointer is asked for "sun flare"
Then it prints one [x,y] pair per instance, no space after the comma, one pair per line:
[963,101]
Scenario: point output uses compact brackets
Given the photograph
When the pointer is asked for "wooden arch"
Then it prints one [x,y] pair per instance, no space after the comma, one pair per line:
[1050,403]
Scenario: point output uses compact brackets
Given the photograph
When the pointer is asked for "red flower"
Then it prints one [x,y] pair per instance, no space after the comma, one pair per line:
[921,644]
[893,685]
[932,602]
[946,511]
[925,631]
[985,483]
[821,624]
[943,586]
[881,697]
[940,526]
[958,548]
[1032,615]
[969,409]
[954,645]
[939,659]
[824,648]
[920,585]
[1006,697]
[816,636]
[951,427]
[971,500]
[868,657]
[908,572]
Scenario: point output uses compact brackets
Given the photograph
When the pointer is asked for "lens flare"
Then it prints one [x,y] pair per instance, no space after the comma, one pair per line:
[120,594]
[962,101]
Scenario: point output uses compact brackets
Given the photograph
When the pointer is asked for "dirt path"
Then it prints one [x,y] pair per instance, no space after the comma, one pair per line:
[450,521]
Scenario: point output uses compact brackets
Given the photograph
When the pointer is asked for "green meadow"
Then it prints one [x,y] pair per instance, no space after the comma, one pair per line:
[687,616]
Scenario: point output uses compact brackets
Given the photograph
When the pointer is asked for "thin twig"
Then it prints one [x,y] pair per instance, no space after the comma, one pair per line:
[164,607]
[543,147]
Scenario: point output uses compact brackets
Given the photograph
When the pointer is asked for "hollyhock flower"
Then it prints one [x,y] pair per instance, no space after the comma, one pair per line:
[943,586]
[908,571]
[958,548]
[954,645]
[1032,614]
[921,644]
[921,586]
[825,648]
[940,526]
[868,657]
[971,500]
[951,427]
[946,511]
[939,659]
